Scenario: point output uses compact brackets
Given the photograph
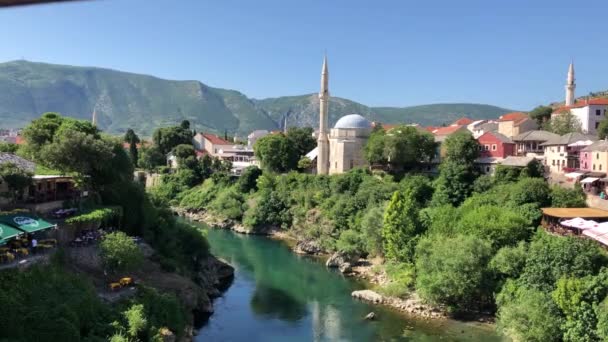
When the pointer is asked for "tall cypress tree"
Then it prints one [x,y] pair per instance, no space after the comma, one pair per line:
[401,227]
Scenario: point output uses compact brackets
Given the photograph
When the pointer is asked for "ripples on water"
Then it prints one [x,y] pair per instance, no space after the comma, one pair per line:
[279,296]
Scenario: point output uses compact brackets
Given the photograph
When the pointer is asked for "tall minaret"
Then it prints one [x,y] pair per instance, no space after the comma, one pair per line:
[94,118]
[323,141]
[570,86]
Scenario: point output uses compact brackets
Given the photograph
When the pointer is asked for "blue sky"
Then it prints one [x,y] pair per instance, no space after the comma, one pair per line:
[384,53]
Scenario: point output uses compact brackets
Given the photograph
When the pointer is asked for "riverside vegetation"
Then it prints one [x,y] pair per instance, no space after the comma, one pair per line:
[59,302]
[467,243]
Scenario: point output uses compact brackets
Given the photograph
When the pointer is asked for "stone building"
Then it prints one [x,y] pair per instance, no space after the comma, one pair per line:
[346,142]
[341,149]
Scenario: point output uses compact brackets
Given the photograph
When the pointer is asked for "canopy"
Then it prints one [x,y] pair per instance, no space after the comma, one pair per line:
[589,180]
[25,222]
[573,174]
[6,233]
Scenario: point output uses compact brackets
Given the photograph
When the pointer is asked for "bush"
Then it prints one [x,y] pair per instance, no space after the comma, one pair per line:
[119,252]
[228,203]
[350,243]
[453,271]
[401,279]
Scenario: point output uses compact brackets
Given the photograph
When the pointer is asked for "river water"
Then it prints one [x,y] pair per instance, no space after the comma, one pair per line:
[279,296]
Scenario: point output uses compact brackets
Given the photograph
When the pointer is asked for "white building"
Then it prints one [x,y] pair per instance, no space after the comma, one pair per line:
[563,152]
[255,135]
[590,112]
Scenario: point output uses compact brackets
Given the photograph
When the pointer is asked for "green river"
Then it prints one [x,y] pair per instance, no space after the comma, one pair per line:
[279,296]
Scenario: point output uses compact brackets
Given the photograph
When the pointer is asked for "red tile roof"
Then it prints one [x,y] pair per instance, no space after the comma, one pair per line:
[583,103]
[200,153]
[446,130]
[19,140]
[514,116]
[462,121]
[215,140]
[430,128]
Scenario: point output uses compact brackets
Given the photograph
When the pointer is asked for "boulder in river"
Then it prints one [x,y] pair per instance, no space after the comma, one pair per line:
[346,267]
[369,296]
[308,247]
[370,316]
[338,259]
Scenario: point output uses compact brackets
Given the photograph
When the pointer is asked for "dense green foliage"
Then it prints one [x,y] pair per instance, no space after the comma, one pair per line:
[403,148]
[541,114]
[17,180]
[283,152]
[119,252]
[132,139]
[564,123]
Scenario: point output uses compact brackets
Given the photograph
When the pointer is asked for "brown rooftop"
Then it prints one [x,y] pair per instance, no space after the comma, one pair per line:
[586,213]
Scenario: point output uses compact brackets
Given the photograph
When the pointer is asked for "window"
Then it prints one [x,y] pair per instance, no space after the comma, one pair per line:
[352,163]
[336,165]
[563,163]
[553,162]
[585,154]
[486,147]
[600,167]
[597,124]
[598,112]
[487,169]
[593,167]
[597,156]
[493,147]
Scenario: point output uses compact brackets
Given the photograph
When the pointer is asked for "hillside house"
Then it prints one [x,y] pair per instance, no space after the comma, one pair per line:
[513,124]
[562,153]
[590,112]
[529,143]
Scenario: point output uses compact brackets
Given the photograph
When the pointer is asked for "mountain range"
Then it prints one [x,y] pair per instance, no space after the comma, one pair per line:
[125,100]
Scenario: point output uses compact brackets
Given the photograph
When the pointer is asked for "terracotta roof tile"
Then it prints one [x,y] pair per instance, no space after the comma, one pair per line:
[447,130]
[215,139]
[462,121]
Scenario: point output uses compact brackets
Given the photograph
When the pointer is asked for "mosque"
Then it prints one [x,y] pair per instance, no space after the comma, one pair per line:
[340,149]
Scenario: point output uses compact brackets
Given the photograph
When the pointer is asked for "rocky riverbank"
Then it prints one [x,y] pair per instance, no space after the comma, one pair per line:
[196,293]
[347,265]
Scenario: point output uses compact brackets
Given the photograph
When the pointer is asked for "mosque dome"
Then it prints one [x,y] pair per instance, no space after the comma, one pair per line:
[353,121]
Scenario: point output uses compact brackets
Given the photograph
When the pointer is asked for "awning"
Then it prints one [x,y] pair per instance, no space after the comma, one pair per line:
[7,232]
[589,180]
[25,222]
[573,174]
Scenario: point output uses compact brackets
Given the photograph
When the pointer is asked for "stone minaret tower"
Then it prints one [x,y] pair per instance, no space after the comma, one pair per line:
[323,141]
[570,86]
[94,118]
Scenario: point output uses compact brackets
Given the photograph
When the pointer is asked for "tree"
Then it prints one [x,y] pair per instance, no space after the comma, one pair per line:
[405,147]
[304,163]
[602,129]
[185,125]
[276,153]
[132,139]
[302,140]
[527,314]
[453,271]
[602,319]
[461,148]
[510,260]
[500,226]
[568,198]
[248,179]
[136,320]
[564,123]
[371,226]
[16,178]
[150,157]
[401,227]
[374,147]
[551,257]
[119,252]
[186,156]
[541,114]
[167,138]
[8,147]
[454,184]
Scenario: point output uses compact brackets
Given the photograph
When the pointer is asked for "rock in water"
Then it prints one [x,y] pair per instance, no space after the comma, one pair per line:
[346,267]
[370,316]
[307,247]
[368,295]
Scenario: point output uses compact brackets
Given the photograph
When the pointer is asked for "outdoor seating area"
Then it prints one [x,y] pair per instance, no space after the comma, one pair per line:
[588,222]
[21,235]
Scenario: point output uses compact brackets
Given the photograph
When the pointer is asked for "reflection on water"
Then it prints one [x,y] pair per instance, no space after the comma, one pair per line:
[279,296]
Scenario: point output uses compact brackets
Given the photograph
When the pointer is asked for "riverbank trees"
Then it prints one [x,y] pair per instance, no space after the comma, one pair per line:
[476,250]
